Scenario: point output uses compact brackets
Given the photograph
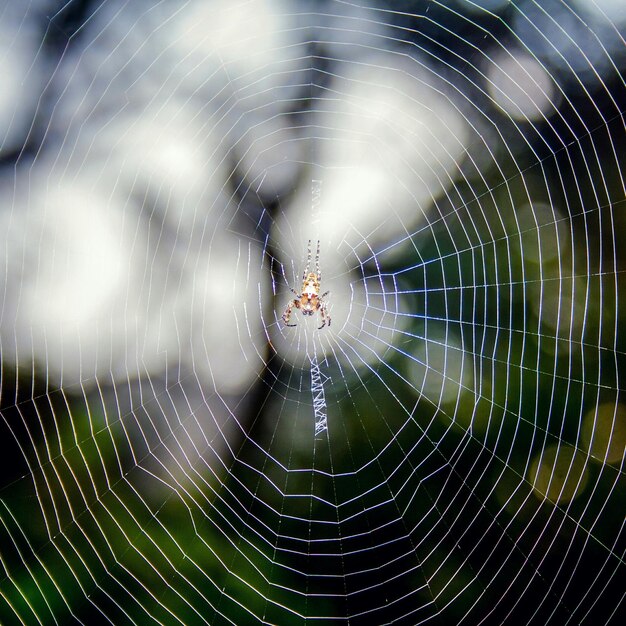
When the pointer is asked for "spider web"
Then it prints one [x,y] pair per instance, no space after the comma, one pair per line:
[450,450]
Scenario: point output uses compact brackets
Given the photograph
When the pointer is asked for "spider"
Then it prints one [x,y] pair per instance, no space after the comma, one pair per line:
[309,301]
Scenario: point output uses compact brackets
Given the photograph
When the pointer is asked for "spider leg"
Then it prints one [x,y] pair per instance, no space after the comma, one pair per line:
[324,315]
[317,262]
[324,295]
[287,313]
[308,262]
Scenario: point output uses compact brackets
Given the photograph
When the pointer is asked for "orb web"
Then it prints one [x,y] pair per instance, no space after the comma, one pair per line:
[448,447]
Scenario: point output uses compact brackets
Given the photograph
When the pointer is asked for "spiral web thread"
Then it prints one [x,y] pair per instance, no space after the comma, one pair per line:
[167,456]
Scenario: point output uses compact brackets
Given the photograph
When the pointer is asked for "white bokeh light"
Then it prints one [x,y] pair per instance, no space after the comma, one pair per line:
[613,10]
[521,86]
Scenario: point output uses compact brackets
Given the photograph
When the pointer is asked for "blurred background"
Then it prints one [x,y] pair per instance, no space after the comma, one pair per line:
[449,449]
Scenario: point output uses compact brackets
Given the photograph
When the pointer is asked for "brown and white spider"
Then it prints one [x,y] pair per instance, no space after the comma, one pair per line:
[309,301]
